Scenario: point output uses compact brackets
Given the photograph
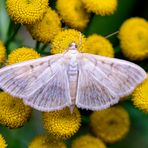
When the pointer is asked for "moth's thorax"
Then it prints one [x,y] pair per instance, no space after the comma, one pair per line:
[72,56]
[72,52]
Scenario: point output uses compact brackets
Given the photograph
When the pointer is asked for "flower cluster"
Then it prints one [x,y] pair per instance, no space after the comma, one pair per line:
[73,13]
[26,12]
[101,7]
[62,40]
[13,112]
[45,30]
[97,44]
[57,26]
[133,37]
[88,141]
[140,96]
[111,124]
[22,54]
[2,142]
[43,23]
[2,52]
[62,124]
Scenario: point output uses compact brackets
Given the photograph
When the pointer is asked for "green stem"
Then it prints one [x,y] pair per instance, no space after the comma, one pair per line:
[45,53]
[37,46]
[10,28]
[112,34]
[11,38]
[44,46]
[41,49]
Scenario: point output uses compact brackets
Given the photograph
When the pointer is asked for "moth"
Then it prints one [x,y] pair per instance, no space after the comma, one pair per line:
[71,78]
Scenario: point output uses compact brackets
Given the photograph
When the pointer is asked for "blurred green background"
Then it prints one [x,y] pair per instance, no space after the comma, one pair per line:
[138,135]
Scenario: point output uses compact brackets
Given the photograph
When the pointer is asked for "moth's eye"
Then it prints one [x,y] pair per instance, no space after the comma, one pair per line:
[76,46]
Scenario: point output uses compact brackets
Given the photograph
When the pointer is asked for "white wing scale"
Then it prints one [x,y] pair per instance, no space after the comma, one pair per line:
[53,95]
[43,83]
[102,81]
[92,94]
[38,82]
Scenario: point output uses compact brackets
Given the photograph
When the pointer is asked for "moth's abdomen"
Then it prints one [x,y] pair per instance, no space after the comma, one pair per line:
[73,79]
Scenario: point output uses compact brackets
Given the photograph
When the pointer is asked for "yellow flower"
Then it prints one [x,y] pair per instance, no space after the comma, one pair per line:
[101,7]
[45,141]
[64,38]
[2,142]
[133,37]
[140,96]
[13,112]
[73,13]
[47,28]
[26,11]
[2,52]
[62,123]
[88,141]
[22,54]
[97,44]
[111,124]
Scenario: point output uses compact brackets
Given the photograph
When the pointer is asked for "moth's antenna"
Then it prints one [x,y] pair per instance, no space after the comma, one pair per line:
[112,34]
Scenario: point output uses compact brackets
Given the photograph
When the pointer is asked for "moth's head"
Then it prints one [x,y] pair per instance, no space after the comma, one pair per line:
[73,46]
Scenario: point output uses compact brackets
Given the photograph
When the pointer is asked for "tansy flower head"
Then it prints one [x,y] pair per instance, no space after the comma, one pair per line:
[88,141]
[63,39]
[62,124]
[45,141]
[2,142]
[2,52]
[111,124]
[133,37]
[22,54]
[26,11]
[73,13]
[100,7]
[47,28]
[13,112]
[97,44]
[140,96]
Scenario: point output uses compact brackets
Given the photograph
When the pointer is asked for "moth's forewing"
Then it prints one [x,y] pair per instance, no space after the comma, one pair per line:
[102,81]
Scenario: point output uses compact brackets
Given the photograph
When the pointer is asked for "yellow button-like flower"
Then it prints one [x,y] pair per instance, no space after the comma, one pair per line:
[140,96]
[88,141]
[97,44]
[13,112]
[47,28]
[26,11]
[2,142]
[101,7]
[111,124]
[45,141]
[63,39]
[22,54]
[133,37]
[2,52]
[73,13]
[62,124]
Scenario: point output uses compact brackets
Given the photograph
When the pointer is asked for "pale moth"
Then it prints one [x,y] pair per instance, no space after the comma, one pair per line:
[72,78]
